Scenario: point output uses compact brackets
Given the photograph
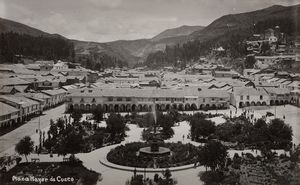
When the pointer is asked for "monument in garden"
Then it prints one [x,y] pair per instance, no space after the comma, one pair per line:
[155,150]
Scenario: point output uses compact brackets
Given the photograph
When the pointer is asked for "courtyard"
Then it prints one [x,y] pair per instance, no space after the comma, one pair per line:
[92,159]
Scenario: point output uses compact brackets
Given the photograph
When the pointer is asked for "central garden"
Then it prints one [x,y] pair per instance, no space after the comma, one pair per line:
[127,155]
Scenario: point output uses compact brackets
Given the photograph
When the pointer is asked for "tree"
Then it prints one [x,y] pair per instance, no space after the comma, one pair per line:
[259,133]
[98,114]
[53,130]
[60,124]
[76,115]
[213,155]
[115,125]
[70,142]
[280,132]
[175,115]
[201,127]
[166,122]
[25,146]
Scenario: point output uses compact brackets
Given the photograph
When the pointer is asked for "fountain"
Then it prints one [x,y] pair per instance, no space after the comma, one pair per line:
[154,150]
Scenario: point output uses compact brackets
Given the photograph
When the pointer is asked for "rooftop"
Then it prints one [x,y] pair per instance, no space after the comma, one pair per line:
[6,109]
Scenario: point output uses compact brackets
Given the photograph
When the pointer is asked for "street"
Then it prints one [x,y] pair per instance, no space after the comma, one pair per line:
[10,139]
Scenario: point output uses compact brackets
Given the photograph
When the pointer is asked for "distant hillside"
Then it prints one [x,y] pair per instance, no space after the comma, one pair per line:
[127,51]
[12,26]
[230,32]
[134,51]
[242,21]
[175,32]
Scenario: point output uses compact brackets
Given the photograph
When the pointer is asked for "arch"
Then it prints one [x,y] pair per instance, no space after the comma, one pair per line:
[201,107]
[174,106]
[122,108]
[187,107]
[81,106]
[162,107]
[241,105]
[140,108]
[207,106]
[157,107]
[264,103]
[168,106]
[252,103]
[94,106]
[133,107]
[258,103]
[247,103]
[213,106]
[111,108]
[88,107]
[281,102]
[105,108]
[286,102]
[194,107]
[116,108]
[181,107]
[276,102]
[128,108]
[145,108]
[272,102]
[71,108]
[76,106]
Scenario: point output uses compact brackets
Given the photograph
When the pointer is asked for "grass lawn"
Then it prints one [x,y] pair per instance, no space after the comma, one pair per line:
[49,173]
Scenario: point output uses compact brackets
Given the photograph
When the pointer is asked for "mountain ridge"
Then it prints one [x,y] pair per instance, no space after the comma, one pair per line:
[135,51]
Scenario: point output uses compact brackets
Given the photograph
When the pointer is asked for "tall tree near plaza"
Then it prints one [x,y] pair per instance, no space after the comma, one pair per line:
[115,125]
[71,143]
[98,114]
[60,124]
[213,155]
[76,115]
[259,133]
[25,146]
[201,127]
[280,131]
[166,122]
[53,130]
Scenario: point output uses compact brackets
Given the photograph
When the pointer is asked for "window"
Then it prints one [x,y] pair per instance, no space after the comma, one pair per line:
[128,99]
[241,97]
[212,99]
[93,100]
[168,99]
[82,100]
[248,97]
[110,99]
[203,100]
[119,99]
[261,97]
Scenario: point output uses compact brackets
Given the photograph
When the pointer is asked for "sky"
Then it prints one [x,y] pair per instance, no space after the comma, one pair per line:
[109,20]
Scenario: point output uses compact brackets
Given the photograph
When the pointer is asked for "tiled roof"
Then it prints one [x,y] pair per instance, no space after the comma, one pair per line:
[249,91]
[54,92]
[37,95]
[21,100]
[13,81]
[6,109]
[277,90]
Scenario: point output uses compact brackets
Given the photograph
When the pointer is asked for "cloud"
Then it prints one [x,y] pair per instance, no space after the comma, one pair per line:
[107,20]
